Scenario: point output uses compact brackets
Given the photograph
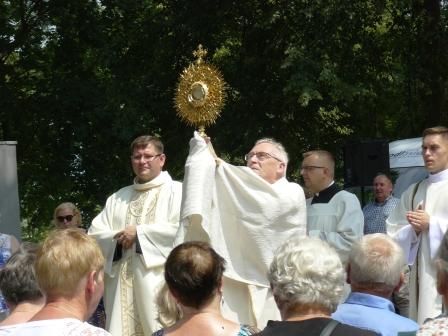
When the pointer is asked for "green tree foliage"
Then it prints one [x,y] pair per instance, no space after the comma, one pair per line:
[80,79]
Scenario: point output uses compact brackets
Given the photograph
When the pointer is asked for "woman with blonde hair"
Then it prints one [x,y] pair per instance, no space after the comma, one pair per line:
[67,215]
[69,271]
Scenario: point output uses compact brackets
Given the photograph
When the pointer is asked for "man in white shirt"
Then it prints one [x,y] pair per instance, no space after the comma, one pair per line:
[333,215]
[419,222]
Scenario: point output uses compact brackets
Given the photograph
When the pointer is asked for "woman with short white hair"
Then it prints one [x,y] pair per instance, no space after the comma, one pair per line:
[307,281]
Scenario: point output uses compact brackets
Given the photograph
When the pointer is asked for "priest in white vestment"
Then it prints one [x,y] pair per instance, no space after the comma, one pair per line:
[245,213]
[135,231]
[419,222]
[333,215]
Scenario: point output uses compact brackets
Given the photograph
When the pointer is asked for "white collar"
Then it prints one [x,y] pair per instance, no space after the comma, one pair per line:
[155,182]
[438,177]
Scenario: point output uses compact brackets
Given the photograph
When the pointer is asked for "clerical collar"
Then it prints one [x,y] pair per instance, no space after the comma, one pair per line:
[155,182]
[438,177]
[326,195]
[317,194]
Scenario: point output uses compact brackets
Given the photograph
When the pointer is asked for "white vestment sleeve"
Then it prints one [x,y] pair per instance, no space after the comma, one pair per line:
[156,239]
[399,228]
[349,226]
[437,228]
[198,189]
[103,231]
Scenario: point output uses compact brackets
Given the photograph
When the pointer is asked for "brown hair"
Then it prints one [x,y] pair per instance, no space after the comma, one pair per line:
[145,140]
[387,176]
[193,273]
[442,130]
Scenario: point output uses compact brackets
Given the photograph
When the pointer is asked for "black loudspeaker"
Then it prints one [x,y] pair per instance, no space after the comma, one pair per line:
[363,161]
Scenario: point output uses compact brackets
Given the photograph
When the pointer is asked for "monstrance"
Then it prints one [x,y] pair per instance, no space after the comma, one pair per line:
[200,93]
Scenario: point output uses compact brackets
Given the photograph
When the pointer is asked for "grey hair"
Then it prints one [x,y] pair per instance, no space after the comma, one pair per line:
[307,272]
[278,146]
[18,278]
[376,261]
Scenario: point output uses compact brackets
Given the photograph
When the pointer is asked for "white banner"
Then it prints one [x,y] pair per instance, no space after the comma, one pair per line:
[406,153]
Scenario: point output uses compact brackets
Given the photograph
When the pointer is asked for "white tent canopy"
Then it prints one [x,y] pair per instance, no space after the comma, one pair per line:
[405,157]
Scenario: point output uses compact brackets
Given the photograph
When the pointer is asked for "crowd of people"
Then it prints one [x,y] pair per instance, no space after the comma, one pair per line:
[239,251]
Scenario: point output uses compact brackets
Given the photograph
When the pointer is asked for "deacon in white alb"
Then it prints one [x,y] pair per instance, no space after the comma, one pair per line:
[419,222]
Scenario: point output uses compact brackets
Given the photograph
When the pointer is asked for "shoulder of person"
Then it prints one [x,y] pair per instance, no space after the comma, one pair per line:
[348,330]
[294,186]
[248,330]
[90,330]
[347,196]
[122,191]
[177,184]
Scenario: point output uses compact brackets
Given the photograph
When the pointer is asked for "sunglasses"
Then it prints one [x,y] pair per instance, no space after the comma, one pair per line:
[68,218]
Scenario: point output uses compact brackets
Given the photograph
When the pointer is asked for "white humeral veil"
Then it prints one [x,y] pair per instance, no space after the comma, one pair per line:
[133,281]
[245,219]
[421,250]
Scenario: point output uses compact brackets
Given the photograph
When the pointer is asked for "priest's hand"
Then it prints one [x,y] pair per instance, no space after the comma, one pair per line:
[419,220]
[127,236]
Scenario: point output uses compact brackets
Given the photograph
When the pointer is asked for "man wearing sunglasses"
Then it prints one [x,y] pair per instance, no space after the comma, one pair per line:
[245,213]
[333,215]
[136,230]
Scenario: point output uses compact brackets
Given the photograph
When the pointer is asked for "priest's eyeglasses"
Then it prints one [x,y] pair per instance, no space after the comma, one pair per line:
[261,156]
[146,158]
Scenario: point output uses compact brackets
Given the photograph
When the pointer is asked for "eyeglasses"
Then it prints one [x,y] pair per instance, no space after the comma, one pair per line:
[146,158]
[308,168]
[68,218]
[261,156]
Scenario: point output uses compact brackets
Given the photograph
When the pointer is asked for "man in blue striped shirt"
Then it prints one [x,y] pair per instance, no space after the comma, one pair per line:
[376,213]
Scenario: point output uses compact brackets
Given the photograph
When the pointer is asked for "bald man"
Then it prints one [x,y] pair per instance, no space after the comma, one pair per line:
[334,215]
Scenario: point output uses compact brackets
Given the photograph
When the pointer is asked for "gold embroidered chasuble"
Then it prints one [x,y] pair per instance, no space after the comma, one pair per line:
[132,281]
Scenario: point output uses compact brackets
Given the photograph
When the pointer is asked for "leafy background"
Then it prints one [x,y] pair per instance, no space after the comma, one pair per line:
[80,79]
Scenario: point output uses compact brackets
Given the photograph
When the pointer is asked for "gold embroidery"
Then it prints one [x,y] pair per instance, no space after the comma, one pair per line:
[131,325]
[141,210]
